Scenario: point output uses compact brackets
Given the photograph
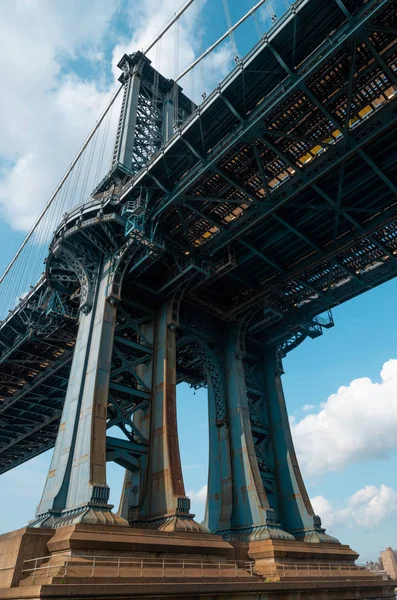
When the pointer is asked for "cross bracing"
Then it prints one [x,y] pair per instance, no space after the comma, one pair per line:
[273,202]
[157,104]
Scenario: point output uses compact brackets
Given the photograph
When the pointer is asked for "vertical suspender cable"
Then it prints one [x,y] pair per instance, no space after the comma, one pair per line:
[201,35]
[69,170]
[220,40]
[229,26]
[257,26]
[273,16]
[175,18]
[107,126]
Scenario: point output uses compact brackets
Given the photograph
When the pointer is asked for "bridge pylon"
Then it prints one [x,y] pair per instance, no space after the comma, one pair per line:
[216,242]
[75,490]
[155,498]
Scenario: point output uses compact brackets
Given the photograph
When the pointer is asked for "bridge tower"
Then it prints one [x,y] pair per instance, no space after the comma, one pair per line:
[207,252]
[255,489]
[76,490]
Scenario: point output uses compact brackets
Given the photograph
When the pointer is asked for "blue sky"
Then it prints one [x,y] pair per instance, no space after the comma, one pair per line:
[57,65]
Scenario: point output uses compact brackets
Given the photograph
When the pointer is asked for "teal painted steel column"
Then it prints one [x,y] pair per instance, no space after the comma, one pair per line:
[219,505]
[125,137]
[76,490]
[134,481]
[295,511]
[252,516]
[163,504]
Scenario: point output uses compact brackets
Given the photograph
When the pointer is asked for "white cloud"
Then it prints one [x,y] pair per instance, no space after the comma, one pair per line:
[46,110]
[179,47]
[308,407]
[357,423]
[368,508]
[323,508]
[56,78]
[198,497]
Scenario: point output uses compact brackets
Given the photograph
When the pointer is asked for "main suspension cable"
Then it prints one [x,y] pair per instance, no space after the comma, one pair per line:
[60,184]
[221,39]
[175,18]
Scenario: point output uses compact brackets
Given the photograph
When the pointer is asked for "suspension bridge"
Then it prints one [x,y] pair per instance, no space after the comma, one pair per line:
[220,238]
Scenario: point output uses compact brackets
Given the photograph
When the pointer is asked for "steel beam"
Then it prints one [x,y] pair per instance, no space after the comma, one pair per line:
[389,121]
[353,28]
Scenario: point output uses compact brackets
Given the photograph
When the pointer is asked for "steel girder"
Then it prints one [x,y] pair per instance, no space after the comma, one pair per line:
[290,83]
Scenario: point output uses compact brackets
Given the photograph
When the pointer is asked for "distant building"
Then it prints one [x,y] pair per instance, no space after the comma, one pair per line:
[376,567]
[389,562]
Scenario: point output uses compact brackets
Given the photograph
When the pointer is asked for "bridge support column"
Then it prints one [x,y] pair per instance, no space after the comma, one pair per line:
[269,499]
[219,506]
[294,508]
[125,138]
[76,489]
[252,515]
[163,503]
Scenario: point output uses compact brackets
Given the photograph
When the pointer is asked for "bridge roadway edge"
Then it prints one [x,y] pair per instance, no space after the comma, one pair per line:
[211,591]
[67,567]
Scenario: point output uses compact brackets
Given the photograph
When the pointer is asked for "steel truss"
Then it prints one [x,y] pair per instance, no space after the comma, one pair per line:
[269,204]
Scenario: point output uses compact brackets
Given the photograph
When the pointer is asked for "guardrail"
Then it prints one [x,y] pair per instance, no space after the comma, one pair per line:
[140,567]
[144,567]
[321,568]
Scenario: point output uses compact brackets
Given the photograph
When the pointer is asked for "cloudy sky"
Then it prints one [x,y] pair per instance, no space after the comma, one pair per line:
[58,69]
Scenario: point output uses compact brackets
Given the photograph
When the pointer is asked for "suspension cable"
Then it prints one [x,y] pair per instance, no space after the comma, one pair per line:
[229,25]
[220,40]
[60,184]
[175,18]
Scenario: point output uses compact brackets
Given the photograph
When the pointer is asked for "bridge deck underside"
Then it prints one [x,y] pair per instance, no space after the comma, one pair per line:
[296,184]
[34,372]
[280,192]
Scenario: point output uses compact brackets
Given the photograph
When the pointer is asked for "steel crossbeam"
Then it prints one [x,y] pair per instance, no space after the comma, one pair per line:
[297,80]
[308,182]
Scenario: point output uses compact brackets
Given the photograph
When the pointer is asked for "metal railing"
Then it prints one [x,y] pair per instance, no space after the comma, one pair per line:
[87,566]
[320,568]
[135,567]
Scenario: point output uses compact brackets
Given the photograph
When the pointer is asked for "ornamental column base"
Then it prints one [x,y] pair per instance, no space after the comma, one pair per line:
[88,515]
[179,521]
[269,529]
[260,532]
[171,524]
[315,536]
